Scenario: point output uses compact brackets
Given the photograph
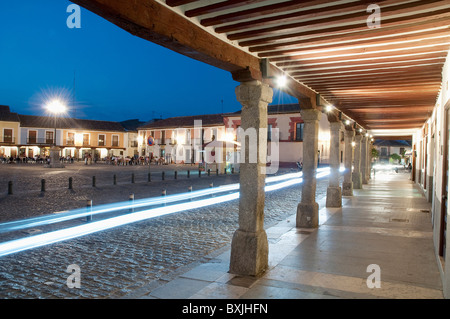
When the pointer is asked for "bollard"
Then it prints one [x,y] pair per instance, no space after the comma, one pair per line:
[70,183]
[93,181]
[225,171]
[89,209]
[188,173]
[114,179]
[175,175]
[199,173]
[217,171]
[131,199]
[10,188]
[149,178]
[42,185]
[162,175]
[163,193]
[209,171]
[132,178]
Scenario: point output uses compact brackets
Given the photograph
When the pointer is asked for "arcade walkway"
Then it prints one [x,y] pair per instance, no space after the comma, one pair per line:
[387,224]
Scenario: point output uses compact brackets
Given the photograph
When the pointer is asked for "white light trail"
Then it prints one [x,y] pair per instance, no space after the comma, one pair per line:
[40,240]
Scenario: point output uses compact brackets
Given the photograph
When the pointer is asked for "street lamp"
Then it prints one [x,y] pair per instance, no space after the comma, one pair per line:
[56,107]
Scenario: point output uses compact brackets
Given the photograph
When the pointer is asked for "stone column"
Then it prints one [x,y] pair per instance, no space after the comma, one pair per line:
[334,192]
[249,246]
[356,175]
[364,153]
[369,157]
[347,185]
[308,209]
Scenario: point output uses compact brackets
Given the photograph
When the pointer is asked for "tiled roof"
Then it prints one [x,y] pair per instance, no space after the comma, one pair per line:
[278,109]
[214,119]
[6,115]
[186,121]
[69,123]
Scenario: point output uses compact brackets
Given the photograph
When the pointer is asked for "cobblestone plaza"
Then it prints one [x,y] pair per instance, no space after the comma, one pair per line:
[114,263]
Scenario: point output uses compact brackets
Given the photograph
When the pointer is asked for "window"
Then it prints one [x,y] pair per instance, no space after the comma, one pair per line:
[115,140]
[32,137]
[7,135]
[163,137]
[70,139]
[85,139]
[269,132]
[101,140]
[299,131]
[49,137]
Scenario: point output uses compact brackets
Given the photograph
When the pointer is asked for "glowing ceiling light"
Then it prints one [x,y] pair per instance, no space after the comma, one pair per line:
[281,81]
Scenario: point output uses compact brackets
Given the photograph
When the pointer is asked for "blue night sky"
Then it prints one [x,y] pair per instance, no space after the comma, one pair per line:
[117,76]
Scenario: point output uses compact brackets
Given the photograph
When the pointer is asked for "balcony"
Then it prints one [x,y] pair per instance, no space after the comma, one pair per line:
[7,140]
[40,141]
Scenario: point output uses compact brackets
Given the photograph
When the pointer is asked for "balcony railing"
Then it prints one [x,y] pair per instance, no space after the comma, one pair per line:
[40,141]
[7,139]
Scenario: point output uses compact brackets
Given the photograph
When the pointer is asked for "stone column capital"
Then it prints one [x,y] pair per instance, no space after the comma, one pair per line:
[335,126]
[349,134]
[253,91]
[310,114]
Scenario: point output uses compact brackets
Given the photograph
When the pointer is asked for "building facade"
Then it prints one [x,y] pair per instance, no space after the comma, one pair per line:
[9,132]
[186,139]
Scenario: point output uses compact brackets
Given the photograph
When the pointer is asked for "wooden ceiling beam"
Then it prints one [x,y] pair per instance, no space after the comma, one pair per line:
[409,9]
[217,7]
[393,42]
[326,30]
[362,51]
[356,36]
[294,16]
[391,60]
[367,78]
[176,3]
[393,137]
[430,67]
[357,66]
[379,84]
[357,54]
[260,11]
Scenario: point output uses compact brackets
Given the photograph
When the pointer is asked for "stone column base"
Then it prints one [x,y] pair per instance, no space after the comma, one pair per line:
[347,189]
[307,215]
[54,158]
[249,253]
[334,197]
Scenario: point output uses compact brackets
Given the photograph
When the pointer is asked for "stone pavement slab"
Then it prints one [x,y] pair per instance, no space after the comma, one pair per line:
[387,224]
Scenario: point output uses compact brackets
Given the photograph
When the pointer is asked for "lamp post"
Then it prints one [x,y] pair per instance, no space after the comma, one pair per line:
[55,107]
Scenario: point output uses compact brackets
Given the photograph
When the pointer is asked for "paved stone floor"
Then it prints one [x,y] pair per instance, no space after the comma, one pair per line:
[118,262]
[379,245]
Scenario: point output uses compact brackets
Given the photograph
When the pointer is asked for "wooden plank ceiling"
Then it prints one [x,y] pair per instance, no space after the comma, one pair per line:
[383,78]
